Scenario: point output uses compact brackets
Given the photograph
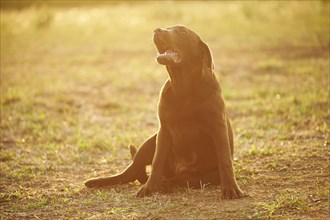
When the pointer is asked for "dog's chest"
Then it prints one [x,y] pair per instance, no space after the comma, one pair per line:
[183,119]
[185,133]
[174,112]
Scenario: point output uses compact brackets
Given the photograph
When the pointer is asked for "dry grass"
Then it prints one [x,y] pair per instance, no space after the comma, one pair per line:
[78,84]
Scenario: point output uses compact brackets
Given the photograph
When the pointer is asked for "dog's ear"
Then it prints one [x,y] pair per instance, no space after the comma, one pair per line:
[206,56]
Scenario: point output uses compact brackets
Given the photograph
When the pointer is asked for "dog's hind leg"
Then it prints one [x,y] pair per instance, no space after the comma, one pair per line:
[135,171]
[143,157]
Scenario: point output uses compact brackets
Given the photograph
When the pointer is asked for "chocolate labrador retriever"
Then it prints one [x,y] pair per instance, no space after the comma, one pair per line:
[194,143]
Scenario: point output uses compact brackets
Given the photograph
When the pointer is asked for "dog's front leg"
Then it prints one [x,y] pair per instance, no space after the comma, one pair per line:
[229,186]
[163,146]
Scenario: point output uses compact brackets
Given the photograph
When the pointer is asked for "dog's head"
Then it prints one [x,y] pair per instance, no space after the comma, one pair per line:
[179,46]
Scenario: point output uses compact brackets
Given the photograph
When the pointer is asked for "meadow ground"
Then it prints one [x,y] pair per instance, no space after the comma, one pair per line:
[79,83]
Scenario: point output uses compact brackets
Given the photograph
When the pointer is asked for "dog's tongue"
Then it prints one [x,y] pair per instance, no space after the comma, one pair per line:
[168,57]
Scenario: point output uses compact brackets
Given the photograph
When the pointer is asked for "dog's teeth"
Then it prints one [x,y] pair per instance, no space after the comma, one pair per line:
[173,55]
[169,55]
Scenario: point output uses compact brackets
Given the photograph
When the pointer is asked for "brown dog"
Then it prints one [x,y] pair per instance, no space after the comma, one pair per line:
[194,143]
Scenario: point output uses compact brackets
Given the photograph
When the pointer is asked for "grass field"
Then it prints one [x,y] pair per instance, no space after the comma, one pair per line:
[79,83]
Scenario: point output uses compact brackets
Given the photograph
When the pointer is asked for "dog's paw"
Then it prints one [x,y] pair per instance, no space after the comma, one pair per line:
[93,183]
[144,191]
[233,193]
[163,187]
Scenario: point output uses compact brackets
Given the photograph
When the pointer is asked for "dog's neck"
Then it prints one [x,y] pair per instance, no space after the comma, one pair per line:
[186,81]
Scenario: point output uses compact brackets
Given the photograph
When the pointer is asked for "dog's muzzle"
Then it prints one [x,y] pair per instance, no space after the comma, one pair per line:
[166,55]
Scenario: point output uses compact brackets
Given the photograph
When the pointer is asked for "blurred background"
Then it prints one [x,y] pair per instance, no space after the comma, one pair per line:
[242,24]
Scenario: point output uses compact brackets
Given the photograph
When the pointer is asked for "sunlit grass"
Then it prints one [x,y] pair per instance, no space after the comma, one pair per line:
[79,84]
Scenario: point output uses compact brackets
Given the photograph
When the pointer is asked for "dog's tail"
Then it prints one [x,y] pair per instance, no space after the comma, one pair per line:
[132,150]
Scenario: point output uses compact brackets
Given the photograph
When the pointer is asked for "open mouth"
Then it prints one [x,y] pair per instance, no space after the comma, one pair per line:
[165,54]
[169,55]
